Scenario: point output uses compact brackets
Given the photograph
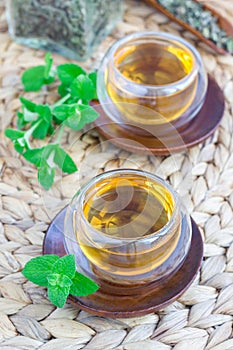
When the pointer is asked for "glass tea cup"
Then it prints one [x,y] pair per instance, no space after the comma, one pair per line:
[152,79]
[127,228]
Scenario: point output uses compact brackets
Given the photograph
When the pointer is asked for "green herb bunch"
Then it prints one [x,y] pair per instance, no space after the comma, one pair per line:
[72,110]
[59,275]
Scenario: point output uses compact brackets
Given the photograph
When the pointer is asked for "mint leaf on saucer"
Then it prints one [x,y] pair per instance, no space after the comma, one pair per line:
[65,266]
[55,279]
[58,295]
[82,285]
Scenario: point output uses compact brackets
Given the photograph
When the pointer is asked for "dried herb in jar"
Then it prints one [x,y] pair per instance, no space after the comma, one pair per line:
[70,27]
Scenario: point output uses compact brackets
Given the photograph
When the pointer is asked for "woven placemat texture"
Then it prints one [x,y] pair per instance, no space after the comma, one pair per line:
[203,176]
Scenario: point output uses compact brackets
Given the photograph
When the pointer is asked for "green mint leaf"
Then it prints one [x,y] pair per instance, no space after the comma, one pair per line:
[88,114]
[55,279]
[29,110]
[33,78]
[75,115]
[35,155]
[68,72]
[64,111]
[44,112]
[93,77]
[41,130]
[20,121]
[82,285]
[29,116]
[84,114]
[82,88]
[14,134]
[73,122]
[64,161]
[58,295]
[37,269]
[49,80]
[19,147]
[65,266]
[48,66]
[46,174]
[45,118]
[50,130]
[19,139]
[63,89]
[38,120]
[29,105]
[57,121]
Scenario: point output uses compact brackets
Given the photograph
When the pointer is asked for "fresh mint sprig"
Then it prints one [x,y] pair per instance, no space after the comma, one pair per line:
[38,121]
[59,275]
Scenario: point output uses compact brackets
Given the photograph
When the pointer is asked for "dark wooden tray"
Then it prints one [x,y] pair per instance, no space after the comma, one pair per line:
[148,299]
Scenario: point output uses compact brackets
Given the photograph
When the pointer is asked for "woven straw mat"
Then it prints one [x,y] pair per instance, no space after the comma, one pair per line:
[203,175]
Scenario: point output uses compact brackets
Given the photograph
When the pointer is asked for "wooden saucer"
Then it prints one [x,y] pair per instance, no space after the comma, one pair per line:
[151,300]
[197,130]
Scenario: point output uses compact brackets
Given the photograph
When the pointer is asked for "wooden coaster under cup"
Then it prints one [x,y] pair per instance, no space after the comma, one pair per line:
[149,298]
[196,131]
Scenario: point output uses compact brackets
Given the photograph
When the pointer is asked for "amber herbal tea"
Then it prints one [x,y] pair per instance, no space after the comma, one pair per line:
[127,228]
[128,210]
[153,74]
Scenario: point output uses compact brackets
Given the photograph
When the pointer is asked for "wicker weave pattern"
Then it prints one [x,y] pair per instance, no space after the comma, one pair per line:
[203,176]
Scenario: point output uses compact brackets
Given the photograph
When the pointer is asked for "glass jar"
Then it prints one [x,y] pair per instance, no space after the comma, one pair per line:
[151,79]
[72,28]
[127,228]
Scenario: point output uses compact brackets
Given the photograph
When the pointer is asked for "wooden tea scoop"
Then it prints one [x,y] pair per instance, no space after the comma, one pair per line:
[219,19]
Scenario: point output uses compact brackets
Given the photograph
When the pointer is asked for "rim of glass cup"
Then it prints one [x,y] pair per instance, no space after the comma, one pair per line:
[166,37]
[108,174]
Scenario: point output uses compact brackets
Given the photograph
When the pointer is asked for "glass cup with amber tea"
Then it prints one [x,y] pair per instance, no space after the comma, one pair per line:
[127,229]
[151,79]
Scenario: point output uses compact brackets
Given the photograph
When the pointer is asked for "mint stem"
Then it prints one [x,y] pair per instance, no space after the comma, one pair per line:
[29,132]
[59,134]
[61,101]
